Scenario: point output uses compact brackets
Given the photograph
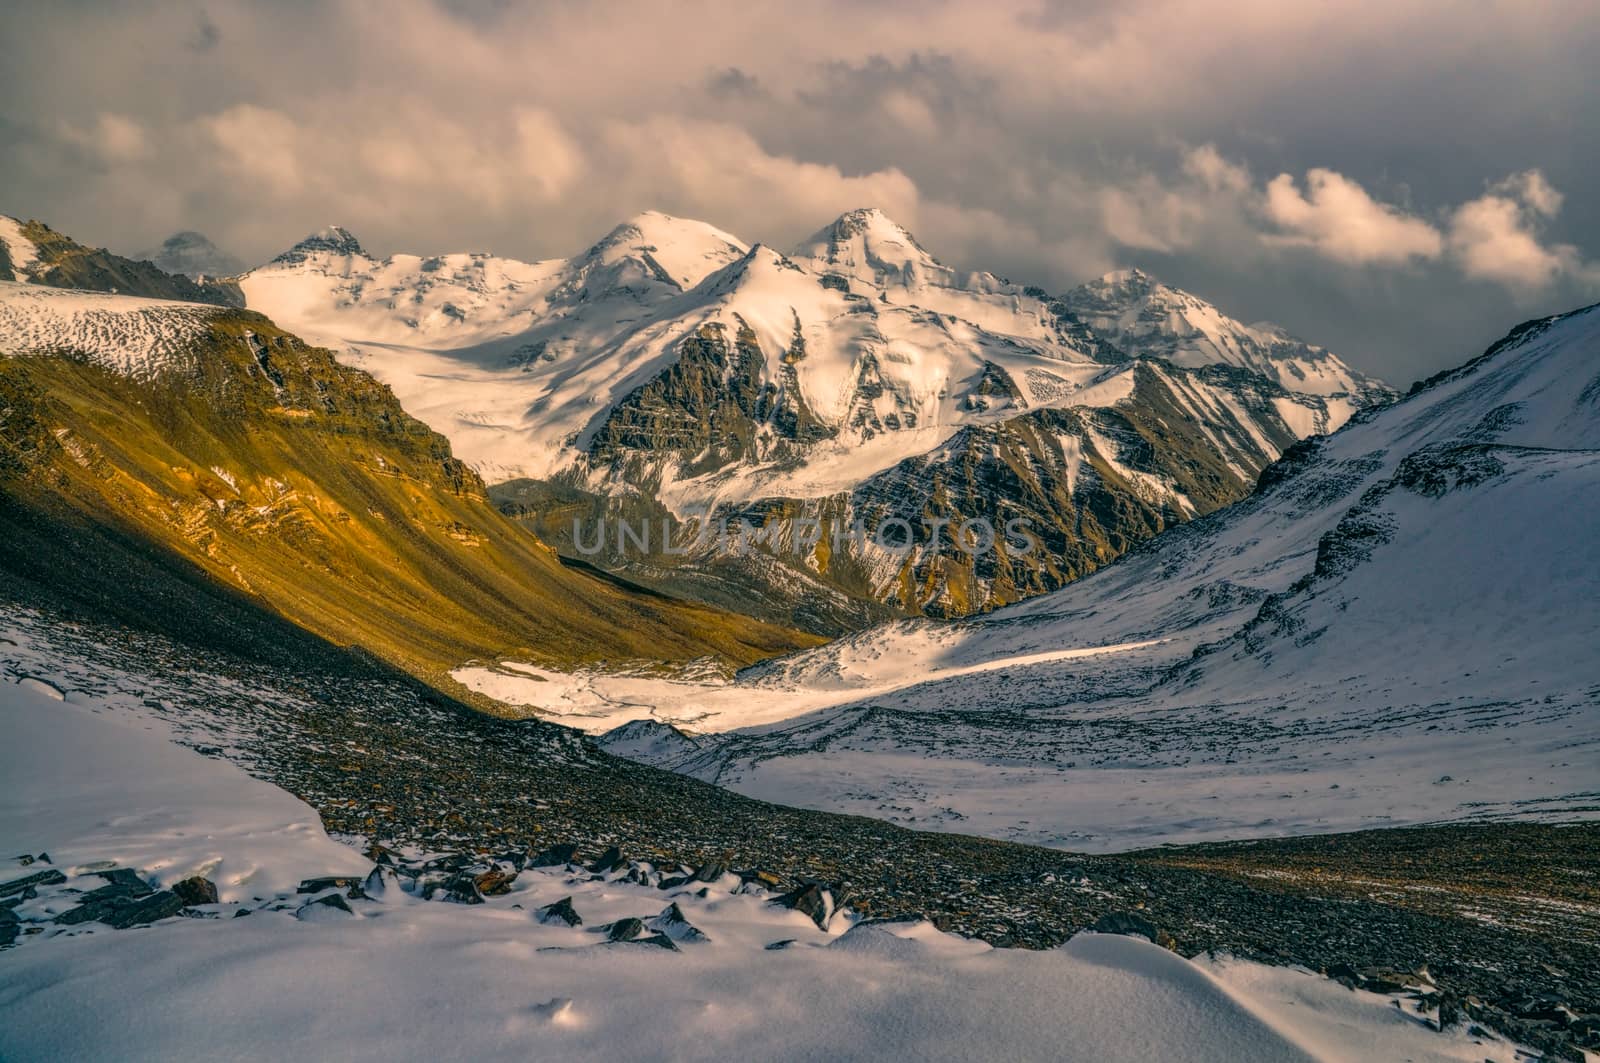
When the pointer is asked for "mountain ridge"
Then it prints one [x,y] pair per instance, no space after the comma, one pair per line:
[541,374]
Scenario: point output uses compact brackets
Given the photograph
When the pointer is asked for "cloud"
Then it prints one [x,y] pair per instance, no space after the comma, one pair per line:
[718,170]
[1046,140]
[109,139]
[1496,237]
[1338,218]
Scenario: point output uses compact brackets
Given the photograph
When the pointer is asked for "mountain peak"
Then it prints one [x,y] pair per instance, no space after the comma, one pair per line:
[684,250]
[1132,310]
[335,239]
[867,244]
[193,255]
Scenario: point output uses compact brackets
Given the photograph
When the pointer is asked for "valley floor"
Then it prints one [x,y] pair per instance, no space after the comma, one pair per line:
[1502,918]
[382,973]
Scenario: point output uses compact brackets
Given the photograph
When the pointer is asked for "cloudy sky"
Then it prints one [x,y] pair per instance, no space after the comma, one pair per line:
[1400,181]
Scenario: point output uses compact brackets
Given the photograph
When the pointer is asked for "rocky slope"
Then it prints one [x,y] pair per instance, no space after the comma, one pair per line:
[32,252]
[673,374]
[1395,627]
[1466,927]
[163,457]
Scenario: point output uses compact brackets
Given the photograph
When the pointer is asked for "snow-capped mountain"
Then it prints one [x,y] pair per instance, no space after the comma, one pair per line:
[674,367]
[194,256]
[1137,313]
[1398,626]
[162,457]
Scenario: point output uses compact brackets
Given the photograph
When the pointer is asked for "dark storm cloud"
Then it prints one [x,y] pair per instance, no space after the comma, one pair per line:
[206,35]
[1398,180]
[733,83]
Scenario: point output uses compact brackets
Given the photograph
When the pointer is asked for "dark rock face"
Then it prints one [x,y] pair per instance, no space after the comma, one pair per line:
[811,899]
[49,877]
[1086,483]
[494,882]
[608,861]
[676,926]
[555,856]
[332,240]
[622,929]
[561,912]
[1129,923]
[123,902]
[710,871]
[349,883]
[65,263]
[196,890]
[331,902]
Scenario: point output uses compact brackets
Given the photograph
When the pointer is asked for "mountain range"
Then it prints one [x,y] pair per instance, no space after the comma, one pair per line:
[164,461]
[676,377]
[1396,626]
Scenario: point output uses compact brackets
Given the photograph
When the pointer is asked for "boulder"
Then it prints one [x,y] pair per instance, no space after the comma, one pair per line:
[609,861]
[462,888]
[622,929]
[351,884]
[48,877]
[561,913]
[494,882]
[329,905]
[1129,923]
[554,856]
[672,923]
[811,899]
[710,871]
[196,890]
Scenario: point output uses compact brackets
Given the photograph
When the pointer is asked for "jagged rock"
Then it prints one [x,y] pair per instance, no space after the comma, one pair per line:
[609,861]
[462,888]
[554,856]
[376,884]
[1128,923]
[196,890]
[660,941]
[449,862]
[710,871]
[560,913]
[323,907]
[349,883]
[381,854]
[518,860]
[622,930]
[123,887]
[777,946]
[672,923]
[48,877]
[811,899]
[494,882]
[121,909]
[672,882]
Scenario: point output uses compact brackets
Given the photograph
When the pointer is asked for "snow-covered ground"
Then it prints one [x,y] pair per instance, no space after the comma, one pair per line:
[1401,632]
[121,332]
[401,977]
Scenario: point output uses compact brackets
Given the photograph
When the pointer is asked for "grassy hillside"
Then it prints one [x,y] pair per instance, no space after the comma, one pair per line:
[259,469]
